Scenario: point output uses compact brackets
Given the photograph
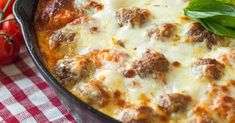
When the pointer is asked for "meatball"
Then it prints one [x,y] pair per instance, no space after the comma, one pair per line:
[209,68]
[61,37]
[171,103]
[197,33]
[151,64]
[134,16]
[141,114]
[54,14]
[95,93]
[70,71]
[163,32]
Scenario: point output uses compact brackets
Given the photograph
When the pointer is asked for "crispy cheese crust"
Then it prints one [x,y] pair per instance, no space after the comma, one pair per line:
[138,61]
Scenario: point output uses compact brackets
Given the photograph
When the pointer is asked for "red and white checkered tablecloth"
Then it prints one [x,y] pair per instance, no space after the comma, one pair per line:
[25,97]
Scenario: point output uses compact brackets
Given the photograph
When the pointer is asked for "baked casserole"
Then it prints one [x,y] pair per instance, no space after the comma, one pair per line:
[139,61]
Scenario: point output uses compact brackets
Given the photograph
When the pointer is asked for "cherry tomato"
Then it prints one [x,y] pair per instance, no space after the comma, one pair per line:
[12,28]
[9,9]
[9,49]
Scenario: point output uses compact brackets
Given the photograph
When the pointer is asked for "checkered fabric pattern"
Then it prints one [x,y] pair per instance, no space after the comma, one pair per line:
[25,97]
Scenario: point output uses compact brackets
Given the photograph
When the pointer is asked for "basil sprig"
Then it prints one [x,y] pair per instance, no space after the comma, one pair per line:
[217,16]
[227,1]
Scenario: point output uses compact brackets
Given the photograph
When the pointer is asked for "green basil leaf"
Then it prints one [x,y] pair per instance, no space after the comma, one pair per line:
[224,20]
[208,8]
[227,1]
[215,15]
[217,28]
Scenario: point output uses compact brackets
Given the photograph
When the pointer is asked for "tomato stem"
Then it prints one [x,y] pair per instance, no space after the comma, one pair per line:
[4,9]
[6,6]
[2,21]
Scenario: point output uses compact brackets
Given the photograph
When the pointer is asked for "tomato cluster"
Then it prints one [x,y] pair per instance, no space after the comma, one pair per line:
[10,33]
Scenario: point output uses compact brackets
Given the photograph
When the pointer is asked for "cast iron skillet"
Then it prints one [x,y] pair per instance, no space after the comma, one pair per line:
[83,113]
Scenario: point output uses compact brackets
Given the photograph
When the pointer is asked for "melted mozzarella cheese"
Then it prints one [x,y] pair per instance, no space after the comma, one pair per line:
[136,43]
